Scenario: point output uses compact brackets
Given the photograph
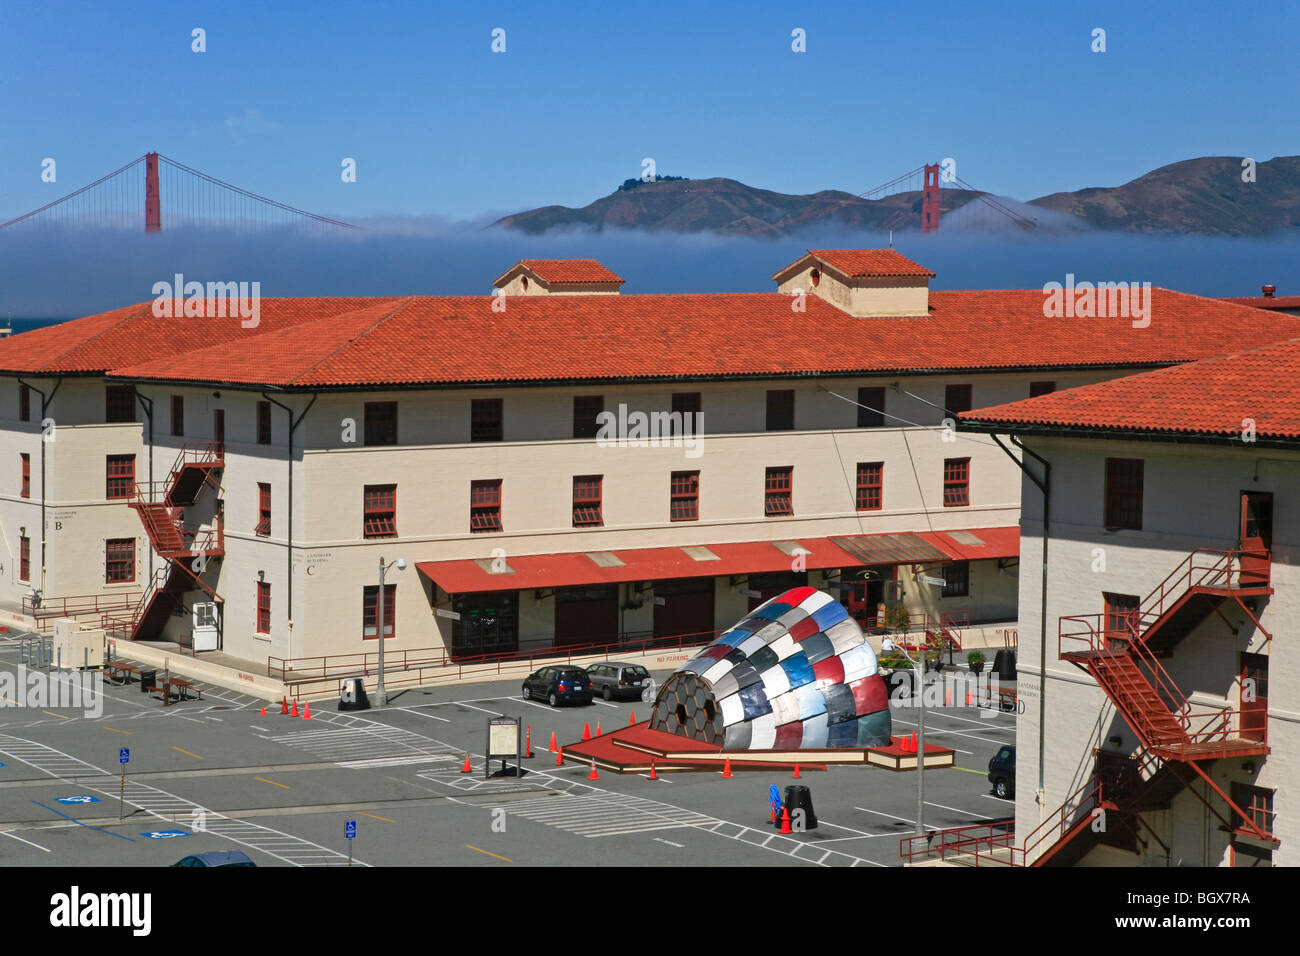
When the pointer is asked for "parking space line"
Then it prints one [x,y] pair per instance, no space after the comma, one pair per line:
[86,825]
[283,786]
[419,713]
[497,855]
[116,731]
[892,817]
[184,751]
[968,770]
[1005,803]
[21,840]
[953,809]
[53,714]
[374,817]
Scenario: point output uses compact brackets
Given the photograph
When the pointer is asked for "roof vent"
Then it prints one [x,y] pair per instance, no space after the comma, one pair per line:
[1268,290]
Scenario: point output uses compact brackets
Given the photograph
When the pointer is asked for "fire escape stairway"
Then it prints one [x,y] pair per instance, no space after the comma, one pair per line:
[1199,587]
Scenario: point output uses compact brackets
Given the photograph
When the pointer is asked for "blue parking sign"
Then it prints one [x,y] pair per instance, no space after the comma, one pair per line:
[124,755]
[350,829]
[79,798]
[163,834]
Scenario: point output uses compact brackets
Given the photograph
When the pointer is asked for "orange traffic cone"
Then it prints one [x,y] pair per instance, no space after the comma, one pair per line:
[631,720]
[294,712]
[913,747]
[653,775]
[264,710]
[528,742]
[284,705]
[947,697]
[593,775]
[553,748]
[785,820]
[726,769]
[306,710]
[597,726]
[797,774]
[559,756]
[586,730]
[970,699]
[465,768]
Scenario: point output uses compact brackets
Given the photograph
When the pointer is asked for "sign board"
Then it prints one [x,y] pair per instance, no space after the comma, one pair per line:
[451,615]
[79,798]
[926,579]
[658,600]
[350,829]
[124,755]
[505,742]
[750,593]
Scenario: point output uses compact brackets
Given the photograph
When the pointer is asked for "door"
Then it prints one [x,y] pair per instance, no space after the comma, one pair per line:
[687,608]
[1254,697]
[1121,618]
[769,585]
[219,429]
[1256,537]
[586,615]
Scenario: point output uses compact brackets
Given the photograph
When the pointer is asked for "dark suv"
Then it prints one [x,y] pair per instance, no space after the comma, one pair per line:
[616,679]
[1002,773]
[558,684]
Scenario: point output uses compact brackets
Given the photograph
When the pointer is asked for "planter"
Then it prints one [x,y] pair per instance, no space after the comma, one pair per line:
[977,667]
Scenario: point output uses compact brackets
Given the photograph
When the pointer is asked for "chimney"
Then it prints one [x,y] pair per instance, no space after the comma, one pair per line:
[558,277]
[861,282]
[1268,290]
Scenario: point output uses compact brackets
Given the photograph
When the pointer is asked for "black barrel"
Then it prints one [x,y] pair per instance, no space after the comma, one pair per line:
[799,797]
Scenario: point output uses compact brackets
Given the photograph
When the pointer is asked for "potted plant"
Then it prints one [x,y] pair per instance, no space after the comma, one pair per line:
[976,661]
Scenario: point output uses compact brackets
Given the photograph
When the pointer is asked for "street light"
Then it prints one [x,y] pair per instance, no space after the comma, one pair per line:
[380,697]
[887,645]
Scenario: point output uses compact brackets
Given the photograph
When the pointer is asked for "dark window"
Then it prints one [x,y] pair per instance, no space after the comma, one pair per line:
[488,623]
[686,405]
[871,407]
[27,476]
[263,509]
[119,560]
[119,403]
[24,558]
[956,398]
[1257,802]
[956,579]
[485,419]
[381,423]
[684,502]
[370,606]
[1041,388]
[870,485]
[120,473]
[777,491]
[264,423]
[263,607]
[780,409]
[178,415]
[956,482]
[380,503]
[485,505]
[585,410]
[586,501]
[24,403]
[1124,493]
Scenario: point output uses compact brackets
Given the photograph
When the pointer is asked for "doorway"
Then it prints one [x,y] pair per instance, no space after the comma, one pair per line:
[1254,697]
[1256,537]
[219,430]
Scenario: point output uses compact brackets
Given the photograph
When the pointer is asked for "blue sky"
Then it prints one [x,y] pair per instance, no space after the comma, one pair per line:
[440,125]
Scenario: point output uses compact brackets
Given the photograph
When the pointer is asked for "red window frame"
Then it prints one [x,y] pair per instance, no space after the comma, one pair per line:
[485,505]
[379,504]
[119,477]
[585,410]
[871,485]
[956,482]
[264,423]
[26,490]
[778,491]
[1124,478]
[486,419]
[119,560]
[263,509]
[684,496]
[24,558]
[119,403]
[263,607]
[24,403]
[1122,615]
[587,501]
[178,416]
[369,607]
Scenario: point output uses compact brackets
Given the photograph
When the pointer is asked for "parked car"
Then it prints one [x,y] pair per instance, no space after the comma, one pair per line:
[1002,773]
[217,858]
[558,684]
[616,679]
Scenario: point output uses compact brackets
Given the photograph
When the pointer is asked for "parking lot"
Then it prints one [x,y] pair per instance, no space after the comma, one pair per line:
[214,774]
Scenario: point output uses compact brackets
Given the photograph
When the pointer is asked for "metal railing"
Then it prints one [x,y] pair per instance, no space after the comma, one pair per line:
[980,842]
[1203,568]
[79,605]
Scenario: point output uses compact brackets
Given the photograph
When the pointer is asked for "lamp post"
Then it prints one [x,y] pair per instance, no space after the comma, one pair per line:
[918,688]
[380,697]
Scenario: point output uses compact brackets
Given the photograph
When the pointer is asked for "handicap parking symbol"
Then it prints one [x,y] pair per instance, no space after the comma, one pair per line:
[79,798]
[164,834]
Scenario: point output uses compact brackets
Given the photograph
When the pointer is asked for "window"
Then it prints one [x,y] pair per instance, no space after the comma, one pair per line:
[870,485]
[956,482]
[1257,802]
[488,623]
[485,419]
[380,504]
[24,558]
[264,423]
[27,476]
[586,501]
[684,502]
[956,579]
[1123,615]
[24,403]
[119,403]
[370,607]
[1124,493]
[120,472]
[263,607]
[873,414]
[780,410]
[263,509]
[381,423]
[776,499]
[178,415]
[119,560]
[1041,388]
[956,398]
[686,405]
[485,505]
[585,410]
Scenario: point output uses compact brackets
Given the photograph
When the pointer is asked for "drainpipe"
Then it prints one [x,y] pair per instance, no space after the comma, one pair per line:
[46,401]
[293,427]
[147,405]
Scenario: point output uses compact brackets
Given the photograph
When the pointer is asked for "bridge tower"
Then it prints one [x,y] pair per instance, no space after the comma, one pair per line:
[152,204]
[930,199]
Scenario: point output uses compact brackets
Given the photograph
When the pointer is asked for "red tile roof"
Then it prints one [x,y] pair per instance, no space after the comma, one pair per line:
[1211,397]
[560,271]
[857,263]
[1267,301]
[321,343]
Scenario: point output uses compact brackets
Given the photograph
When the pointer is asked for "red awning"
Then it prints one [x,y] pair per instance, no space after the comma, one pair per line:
[978,543]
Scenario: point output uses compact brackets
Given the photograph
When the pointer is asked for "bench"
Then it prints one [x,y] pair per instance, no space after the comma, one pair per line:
[182,688]
[122,670]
